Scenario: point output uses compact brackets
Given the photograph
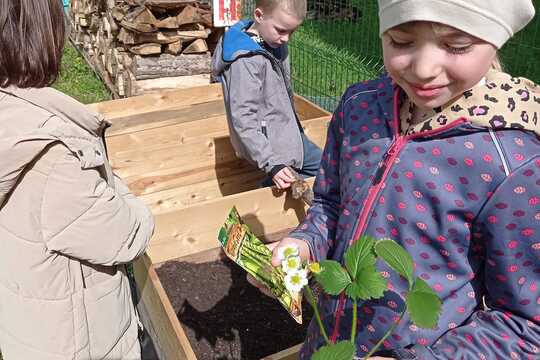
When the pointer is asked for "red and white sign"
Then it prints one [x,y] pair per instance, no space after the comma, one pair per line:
[226,12]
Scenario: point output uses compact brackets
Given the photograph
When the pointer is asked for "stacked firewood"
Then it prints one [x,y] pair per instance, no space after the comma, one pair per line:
[139,46]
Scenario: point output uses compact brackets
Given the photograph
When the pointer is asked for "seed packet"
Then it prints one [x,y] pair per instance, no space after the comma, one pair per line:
[244,248]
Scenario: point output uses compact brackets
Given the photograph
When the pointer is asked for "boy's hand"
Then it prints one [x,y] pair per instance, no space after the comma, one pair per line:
[303,249]
[284,178]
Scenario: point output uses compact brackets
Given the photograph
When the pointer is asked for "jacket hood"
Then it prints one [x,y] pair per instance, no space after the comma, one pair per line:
[22,140]
[500,102]
[234,44]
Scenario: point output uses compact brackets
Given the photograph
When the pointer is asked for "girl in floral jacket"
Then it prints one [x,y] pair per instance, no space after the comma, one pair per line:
[443,156]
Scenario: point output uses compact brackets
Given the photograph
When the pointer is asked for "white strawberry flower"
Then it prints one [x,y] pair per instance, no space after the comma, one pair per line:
[296,280]
[291,263]
[287,250]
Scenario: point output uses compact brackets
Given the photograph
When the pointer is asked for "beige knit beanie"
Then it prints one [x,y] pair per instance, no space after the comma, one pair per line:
[494,21]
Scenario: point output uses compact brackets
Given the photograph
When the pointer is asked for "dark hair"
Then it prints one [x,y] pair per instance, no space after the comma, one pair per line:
[32,35]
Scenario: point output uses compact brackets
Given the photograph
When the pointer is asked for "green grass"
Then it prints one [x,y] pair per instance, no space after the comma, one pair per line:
[78,80]
[520,55]
[329,55]
[322,71]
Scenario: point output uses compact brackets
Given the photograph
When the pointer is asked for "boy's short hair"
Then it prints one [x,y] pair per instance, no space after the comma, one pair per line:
[296,8]
[31,42]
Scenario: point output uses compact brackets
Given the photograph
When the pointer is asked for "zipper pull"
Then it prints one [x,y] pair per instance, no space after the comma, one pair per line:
[382,164]
[379,174]
[263,129]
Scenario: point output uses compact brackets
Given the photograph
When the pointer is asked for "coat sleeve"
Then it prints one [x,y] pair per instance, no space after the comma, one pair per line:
[507,230]
[319,226]
[245,89]
[85,218]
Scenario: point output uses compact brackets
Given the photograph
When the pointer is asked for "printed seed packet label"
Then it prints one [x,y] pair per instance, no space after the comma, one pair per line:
[244,248]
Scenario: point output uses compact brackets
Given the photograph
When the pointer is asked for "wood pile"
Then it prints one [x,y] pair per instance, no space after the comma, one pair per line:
[142,46]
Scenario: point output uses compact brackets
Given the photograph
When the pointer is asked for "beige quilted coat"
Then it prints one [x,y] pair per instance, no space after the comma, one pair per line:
[66,226]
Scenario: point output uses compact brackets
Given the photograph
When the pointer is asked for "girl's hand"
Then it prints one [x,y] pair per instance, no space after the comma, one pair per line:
[303,249]
[284,178]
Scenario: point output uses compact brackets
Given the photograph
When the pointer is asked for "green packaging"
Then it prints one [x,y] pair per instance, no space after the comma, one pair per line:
[244,248]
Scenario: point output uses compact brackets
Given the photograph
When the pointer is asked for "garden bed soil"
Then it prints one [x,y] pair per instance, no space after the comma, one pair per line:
[223,315]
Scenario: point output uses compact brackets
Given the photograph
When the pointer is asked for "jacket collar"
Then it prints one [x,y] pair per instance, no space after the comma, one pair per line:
[499,102]
[65,107]
[80,130]
[237,43]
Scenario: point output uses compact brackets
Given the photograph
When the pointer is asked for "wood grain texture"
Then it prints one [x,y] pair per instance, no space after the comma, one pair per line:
[168,335]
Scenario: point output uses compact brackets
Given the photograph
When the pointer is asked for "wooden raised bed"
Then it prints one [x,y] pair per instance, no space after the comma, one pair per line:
[173,151]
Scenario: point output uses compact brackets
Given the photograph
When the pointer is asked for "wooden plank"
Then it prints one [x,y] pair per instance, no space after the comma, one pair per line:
[170,339]
[190,135]
[142,87]
[183,196]
[191,160]
[152,67]
[193,229]
[189,131]
[187,154]
[205,136]
[306,109]
[182,97]
[210,118]
[150,103]
[145,122]
[229,176]
[291,353]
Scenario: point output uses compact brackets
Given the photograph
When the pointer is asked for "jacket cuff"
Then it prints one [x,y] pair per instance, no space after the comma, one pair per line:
[398,354]
[275,169]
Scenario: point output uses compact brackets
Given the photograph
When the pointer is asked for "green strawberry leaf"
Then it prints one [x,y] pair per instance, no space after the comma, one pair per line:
[343,350]
[423,305]
[369,284]
[421,285]
[396,257]
[360,255]
[333,277]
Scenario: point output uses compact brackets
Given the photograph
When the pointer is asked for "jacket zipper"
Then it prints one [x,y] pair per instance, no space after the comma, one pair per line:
[379,178]
[289,95]
[263,129]
[376,185]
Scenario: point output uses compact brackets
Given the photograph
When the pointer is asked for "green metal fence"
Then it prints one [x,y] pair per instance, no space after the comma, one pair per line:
[338,45]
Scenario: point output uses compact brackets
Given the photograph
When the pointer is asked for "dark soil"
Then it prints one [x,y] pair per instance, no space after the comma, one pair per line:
[224,316]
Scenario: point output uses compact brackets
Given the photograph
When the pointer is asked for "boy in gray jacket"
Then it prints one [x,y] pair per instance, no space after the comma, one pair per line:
[252,64]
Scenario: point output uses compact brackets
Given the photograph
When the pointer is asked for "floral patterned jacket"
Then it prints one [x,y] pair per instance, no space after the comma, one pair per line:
[461,192]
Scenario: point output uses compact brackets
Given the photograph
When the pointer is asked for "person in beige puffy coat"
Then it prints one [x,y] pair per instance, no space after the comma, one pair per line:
[67,224]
